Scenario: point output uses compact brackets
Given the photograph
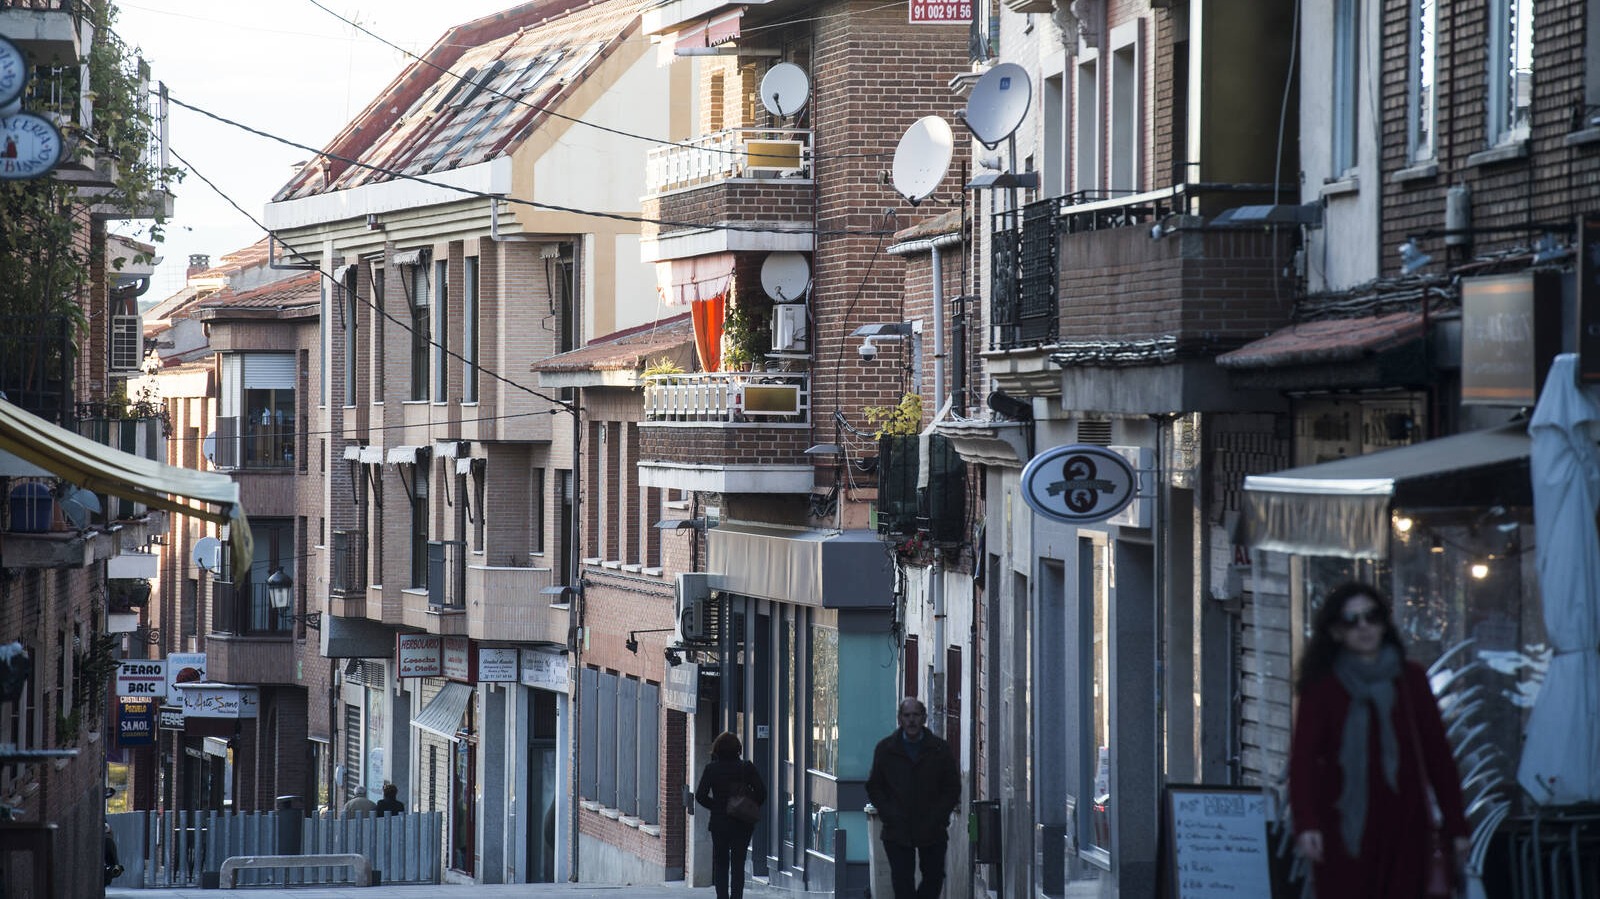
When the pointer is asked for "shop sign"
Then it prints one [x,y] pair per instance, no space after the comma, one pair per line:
[680,688]
[941,12]
[1078,483]
[184,668]
[1510,331]
[497,665]
[29,146]
[545,670]
[144,678]
[418,655]
[170,717]
[1589,300]
[220,702]
[13,72]
[136,722]
[456,660]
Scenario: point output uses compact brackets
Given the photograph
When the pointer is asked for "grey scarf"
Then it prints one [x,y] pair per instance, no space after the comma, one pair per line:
[1371,686]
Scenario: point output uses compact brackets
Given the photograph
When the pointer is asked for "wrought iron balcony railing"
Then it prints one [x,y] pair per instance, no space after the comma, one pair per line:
[348,573]
[447,574]
[733,153]
[243,609]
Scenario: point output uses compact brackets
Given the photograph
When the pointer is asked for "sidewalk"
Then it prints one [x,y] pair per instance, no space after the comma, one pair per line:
[456,891]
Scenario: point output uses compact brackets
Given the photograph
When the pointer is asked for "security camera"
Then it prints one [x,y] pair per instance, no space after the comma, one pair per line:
[868,350]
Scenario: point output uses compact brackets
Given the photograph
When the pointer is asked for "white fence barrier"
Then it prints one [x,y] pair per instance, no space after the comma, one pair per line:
[178,849]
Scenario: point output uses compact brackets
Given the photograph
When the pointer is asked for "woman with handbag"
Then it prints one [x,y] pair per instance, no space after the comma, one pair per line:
[1373,784]
[731,789]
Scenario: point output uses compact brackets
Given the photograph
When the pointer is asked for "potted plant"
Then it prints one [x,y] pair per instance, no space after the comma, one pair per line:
[745,338]
[665,365]
[897,429]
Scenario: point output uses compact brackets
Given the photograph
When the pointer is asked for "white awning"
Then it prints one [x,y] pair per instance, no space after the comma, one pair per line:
[442,714]
[352,453]
[101,469]
[371,455]
[410,257]
[340,271]
[403,455]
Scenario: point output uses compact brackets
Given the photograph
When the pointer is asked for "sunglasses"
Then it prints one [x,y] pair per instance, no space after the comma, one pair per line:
[1373,615]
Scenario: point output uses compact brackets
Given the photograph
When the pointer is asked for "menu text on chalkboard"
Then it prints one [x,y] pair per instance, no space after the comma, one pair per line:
[1216,842]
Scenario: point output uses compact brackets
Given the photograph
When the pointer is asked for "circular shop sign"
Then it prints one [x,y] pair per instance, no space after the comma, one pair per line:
[1079,483]
[29,146]
[13,72]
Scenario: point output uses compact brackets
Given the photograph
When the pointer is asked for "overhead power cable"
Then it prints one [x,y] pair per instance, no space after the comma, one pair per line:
[549,207]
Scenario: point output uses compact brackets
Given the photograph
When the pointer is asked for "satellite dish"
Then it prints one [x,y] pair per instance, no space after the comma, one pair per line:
[208,448]
[785,276]
[998,103]
[78,504]
[922,158]
[205,553]
[785,89]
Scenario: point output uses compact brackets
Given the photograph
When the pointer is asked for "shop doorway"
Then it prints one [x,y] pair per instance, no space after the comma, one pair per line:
[463,844]
[541,761]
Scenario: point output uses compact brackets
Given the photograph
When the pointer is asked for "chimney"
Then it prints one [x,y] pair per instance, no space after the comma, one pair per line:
[198,262]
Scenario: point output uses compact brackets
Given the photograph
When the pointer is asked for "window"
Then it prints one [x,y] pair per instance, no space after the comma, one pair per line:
[469,330]
[441,331]
[419,523]
[824,698]
[620,751]
[1054,175]
[256,427]
[1346,86]
[1510,71]
[127,335]
[478,495]
[1086,159]
[1126,133]
[536,537]
[421,336]
[350,304]
[323,298]
[1094,594]
[1420,93]
[377,335]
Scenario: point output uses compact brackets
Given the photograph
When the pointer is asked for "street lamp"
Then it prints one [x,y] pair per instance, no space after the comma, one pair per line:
[280,594]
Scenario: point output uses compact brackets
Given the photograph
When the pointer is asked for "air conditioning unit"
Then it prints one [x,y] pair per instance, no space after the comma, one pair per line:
[698,610]
[127,343]
[789,328]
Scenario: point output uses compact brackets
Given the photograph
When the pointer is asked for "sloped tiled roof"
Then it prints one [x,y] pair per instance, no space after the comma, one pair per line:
[624,350]
[291,293]
[1328,341]
[510,65]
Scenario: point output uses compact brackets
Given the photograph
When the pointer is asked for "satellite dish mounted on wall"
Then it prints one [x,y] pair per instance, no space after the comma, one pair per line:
[785,89]
[785,276]
[922,158]
[998,104]
[205,553]
[78,504]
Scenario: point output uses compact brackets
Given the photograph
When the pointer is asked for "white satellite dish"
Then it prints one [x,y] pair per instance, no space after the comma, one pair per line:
[78,504]
[785,276]
[785,89]
[208,448]
[922,158]
[998,103]
[206,552]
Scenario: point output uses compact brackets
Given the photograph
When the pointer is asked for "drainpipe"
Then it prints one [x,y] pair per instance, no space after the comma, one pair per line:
[936,571]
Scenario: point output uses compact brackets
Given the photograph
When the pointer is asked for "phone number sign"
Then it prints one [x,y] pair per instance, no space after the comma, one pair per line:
[949,12]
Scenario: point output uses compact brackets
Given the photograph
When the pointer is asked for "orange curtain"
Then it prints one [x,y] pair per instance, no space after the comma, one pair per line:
[702,283]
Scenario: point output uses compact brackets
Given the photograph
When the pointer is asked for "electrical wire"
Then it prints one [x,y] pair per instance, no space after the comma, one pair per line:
[550,207]
[564,404]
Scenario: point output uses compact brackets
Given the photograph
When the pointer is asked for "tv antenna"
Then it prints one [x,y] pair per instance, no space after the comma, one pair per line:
[785,89]
[922,158]
[785,276]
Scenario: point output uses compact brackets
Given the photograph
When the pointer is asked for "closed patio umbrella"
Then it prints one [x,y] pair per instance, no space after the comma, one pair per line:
[1563,741]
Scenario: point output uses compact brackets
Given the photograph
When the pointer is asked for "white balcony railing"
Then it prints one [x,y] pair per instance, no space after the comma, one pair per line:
[772,396]
[734,153]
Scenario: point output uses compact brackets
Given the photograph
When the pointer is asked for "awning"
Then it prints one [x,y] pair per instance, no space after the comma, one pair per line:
[1341,508]
[442,714]
[403,455]
[702,283]
[410,257]
[101,469]
[710,33]
[352,453]
[824,569]
[1327,342]
[340,271]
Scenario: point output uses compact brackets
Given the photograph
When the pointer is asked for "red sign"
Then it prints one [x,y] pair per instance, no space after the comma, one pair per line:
[418,655]
[934,12]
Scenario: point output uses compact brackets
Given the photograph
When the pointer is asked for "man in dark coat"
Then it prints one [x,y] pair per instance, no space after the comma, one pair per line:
[915,785]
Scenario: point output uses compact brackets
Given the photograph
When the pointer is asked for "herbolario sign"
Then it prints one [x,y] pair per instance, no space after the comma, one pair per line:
[29,146]
[1079,483]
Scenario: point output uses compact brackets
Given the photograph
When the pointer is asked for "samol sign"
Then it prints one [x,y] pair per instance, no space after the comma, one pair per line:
[1079,483]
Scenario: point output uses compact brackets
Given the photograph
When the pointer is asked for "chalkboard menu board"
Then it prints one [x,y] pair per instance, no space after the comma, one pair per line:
[1216,842]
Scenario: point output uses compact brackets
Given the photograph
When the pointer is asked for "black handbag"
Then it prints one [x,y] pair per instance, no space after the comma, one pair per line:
[741,806]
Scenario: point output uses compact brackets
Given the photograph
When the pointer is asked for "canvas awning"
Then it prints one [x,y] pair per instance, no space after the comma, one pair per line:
[442,714]
[101,469]
[410,257]
[1341,508]
[824,569]
[710,33]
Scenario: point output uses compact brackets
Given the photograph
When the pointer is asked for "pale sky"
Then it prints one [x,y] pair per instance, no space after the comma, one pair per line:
[282,66]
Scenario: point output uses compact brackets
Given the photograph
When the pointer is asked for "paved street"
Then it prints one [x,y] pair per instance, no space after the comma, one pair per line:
[464,891]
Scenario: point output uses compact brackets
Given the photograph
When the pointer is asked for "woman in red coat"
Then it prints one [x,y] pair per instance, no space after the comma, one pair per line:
[1367,737]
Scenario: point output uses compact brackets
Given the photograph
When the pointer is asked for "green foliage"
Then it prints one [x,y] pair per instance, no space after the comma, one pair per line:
[898,420]
[665,365]
[746,335]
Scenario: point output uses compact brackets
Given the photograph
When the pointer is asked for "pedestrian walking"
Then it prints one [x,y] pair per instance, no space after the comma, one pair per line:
[915,785]
[359,805]
[1373,785]
[390,804]
[732,790]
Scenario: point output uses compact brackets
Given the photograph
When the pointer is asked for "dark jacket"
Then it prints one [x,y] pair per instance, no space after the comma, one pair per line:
[914,799]
[387,806]
[716,787]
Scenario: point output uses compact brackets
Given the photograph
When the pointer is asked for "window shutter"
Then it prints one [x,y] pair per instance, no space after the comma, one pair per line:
[274,371]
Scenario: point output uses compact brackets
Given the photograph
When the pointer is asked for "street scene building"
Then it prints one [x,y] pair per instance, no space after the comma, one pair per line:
[628,372]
